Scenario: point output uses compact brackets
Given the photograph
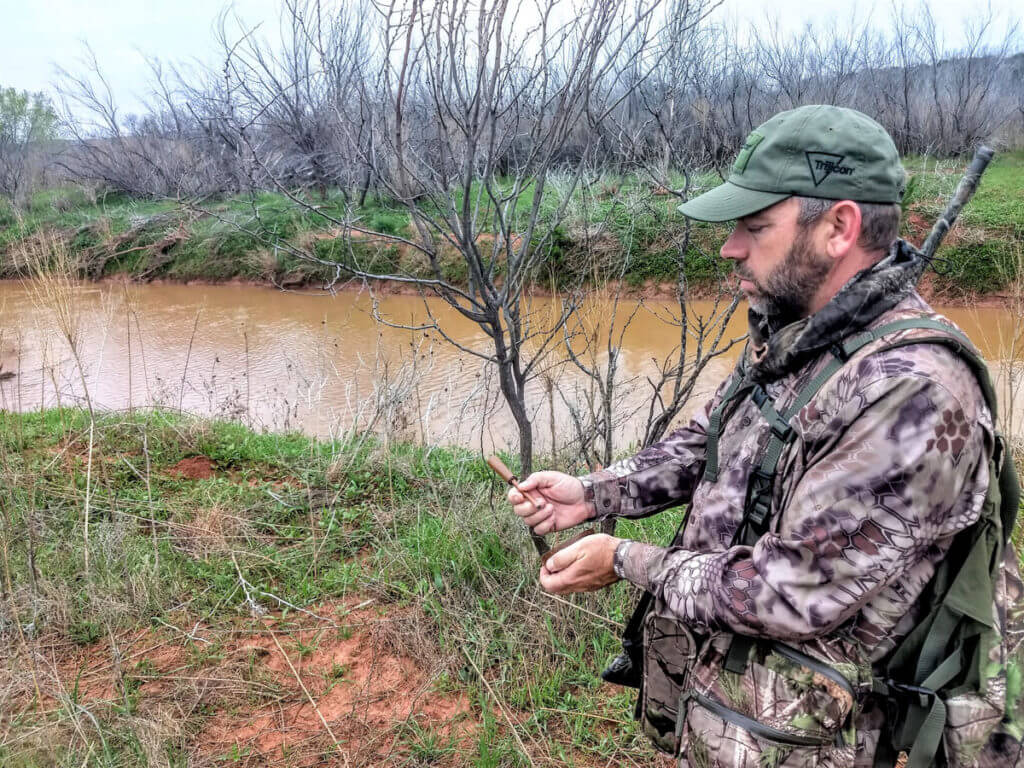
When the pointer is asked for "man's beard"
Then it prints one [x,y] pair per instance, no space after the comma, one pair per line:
[786,293]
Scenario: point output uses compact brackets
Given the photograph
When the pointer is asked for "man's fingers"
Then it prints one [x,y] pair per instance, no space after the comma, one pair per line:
[544,527]
[557,583]
[534,518]
[526,509]
[539,481]
[531,482]
[549,580]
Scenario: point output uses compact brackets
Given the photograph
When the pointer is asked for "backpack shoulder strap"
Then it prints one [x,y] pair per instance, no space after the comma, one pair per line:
[757,510]
[734,393]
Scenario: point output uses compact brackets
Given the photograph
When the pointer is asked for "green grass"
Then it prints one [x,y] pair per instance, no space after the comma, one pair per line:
[423,531]
[612,226]
[982,254]
[418,529]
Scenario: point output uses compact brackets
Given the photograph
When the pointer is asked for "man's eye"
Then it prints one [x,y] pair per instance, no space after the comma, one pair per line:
[755,230]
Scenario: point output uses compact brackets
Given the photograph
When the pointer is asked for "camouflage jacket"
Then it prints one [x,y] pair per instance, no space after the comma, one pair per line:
[890,461]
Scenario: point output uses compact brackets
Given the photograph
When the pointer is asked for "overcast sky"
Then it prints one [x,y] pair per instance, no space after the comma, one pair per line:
[38,35]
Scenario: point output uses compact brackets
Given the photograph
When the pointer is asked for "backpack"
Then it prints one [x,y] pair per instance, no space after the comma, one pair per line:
[949,686]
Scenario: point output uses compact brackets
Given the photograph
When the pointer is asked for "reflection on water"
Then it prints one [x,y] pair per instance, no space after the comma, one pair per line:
[323,364]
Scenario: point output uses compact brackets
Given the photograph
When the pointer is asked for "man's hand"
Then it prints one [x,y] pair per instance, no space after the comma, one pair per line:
[586,566]
[561,502]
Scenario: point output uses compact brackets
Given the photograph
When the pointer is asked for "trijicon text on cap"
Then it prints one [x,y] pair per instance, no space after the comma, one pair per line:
[824,164]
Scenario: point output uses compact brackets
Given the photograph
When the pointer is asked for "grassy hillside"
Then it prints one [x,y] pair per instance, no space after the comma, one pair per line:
[177,592]
[621,220]
[983,252]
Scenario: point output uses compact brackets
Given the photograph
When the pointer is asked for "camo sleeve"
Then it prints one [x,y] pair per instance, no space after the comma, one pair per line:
[865,518]
[660,476]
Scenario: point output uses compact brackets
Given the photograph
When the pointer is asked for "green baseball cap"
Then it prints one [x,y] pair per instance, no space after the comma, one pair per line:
[814,151]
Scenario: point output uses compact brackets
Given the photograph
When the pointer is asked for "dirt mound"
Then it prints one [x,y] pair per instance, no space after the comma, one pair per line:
[193,468]
[267,687]
[369,693]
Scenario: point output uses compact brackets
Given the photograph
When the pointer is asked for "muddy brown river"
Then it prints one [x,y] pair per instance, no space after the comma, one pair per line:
[323,364]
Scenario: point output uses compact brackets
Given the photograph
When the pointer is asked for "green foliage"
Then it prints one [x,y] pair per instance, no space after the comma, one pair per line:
[387,222]
[911,193]
[25,118]
[84,632]
[374,257]
[976,267]
[653,265]
[8,216]
[555,262]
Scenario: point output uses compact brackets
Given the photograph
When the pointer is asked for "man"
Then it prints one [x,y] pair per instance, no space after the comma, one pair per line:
[764,632]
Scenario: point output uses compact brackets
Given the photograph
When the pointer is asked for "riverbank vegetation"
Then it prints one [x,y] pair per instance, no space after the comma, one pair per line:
[523,152]
[181,592]
[621,227]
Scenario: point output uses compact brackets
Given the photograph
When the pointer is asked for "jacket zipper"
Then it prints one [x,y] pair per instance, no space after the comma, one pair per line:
[760,730]
[814,665]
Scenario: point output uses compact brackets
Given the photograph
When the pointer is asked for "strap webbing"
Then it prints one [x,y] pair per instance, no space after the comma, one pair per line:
[757,511]
[738,390]
[759,495]
[929,736]
[926,732]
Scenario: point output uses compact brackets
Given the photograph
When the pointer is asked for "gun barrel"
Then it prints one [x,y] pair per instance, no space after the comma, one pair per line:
[965,191]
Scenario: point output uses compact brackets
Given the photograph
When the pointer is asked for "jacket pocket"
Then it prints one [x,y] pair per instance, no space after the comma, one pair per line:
[716,735]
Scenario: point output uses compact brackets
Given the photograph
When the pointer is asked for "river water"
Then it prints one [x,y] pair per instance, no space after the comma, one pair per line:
[325,364]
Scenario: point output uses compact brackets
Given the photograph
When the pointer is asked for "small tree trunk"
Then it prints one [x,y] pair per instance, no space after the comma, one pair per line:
[512,389]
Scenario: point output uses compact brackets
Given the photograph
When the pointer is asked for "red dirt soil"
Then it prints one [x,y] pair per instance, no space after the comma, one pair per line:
[193,468]
[363,690]
[371,694]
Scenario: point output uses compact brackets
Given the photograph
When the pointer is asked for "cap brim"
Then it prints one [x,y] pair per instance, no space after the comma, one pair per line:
[727,202]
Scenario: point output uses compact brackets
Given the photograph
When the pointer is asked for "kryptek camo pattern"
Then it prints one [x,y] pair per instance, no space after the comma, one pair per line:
[890,461]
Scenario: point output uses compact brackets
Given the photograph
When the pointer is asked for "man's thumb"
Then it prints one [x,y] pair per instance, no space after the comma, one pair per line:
[563,558]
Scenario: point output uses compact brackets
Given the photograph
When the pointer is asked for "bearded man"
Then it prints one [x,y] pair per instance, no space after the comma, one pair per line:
[825,480]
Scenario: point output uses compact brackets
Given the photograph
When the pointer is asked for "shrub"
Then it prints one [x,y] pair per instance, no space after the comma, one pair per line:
[366,256]
[970,268]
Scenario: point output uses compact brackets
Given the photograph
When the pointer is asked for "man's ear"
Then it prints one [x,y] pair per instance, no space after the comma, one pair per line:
[844,221]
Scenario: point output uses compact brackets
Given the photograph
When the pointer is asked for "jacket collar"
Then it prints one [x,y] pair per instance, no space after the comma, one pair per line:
[775,352]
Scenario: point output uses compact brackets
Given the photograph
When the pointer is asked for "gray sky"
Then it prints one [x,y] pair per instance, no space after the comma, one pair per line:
[37,35]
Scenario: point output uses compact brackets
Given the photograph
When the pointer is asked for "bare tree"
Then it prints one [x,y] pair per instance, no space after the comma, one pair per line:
[367,97]
[155,154]
[479,109]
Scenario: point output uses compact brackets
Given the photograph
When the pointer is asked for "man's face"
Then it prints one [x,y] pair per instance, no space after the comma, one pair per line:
[779,263]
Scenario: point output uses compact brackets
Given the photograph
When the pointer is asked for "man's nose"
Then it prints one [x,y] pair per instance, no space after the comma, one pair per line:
[732,248]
